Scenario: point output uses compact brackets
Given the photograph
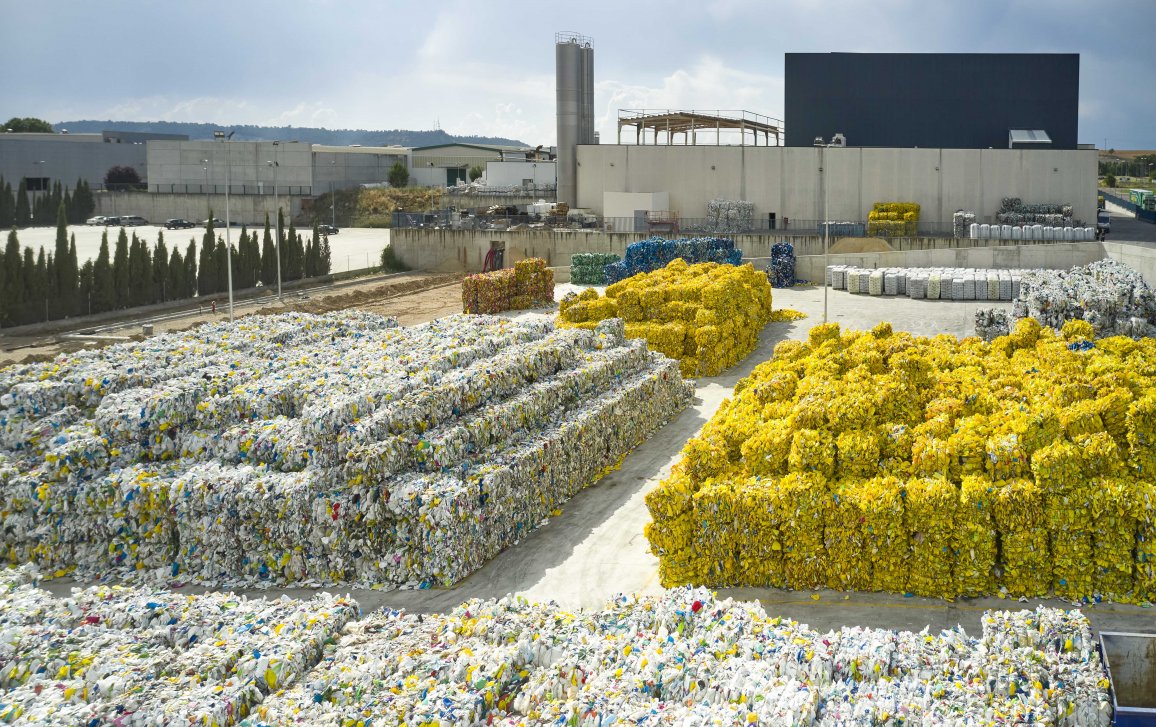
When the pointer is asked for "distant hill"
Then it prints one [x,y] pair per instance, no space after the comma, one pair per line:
[305,134]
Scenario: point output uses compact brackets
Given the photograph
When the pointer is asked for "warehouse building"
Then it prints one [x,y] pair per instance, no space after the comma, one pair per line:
[925,136]
[42,159]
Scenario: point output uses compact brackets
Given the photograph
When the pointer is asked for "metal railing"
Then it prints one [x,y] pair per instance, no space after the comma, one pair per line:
[683,226]
[264,190]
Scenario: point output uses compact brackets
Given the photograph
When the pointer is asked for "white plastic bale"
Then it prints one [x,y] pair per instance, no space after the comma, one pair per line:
[245,474]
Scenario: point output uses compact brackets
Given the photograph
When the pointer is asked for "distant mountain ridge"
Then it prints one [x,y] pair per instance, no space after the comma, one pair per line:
[304,134]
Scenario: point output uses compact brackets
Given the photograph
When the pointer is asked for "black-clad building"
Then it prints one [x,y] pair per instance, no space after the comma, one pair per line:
[934,100]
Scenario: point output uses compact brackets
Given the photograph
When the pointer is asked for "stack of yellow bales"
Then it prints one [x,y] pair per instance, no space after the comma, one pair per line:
[893,219]
[529,284]
[708,316]
[884,461]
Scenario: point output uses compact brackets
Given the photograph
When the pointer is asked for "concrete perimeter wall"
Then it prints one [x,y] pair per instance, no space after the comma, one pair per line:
[465,250]
[249,209]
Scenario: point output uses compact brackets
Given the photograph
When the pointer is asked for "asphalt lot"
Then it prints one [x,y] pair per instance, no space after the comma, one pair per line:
[596,547]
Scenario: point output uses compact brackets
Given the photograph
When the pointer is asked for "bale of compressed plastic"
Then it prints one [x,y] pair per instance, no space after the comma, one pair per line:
[975,538]
[802,497]
[929,516]
[588,268]
[845,539]
[707,316]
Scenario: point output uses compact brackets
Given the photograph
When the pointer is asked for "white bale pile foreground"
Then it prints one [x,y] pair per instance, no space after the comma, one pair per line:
[336,448]
[124,656]
[687,658]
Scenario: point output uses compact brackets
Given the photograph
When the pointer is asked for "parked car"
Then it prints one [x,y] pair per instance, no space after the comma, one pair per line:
[179,224]
[216,221]
[111,221]
[327,229]
[98,220]
[133,221]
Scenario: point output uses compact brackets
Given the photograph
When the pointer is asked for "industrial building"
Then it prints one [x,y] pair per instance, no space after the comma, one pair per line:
[923,136]
[42,159]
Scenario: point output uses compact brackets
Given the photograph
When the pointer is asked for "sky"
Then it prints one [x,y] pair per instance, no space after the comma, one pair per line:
[487,68]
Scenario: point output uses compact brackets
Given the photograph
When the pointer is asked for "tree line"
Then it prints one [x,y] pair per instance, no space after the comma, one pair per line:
[20,208]
[39,286]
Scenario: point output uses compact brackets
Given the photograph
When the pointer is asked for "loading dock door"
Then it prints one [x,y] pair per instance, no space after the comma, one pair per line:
[453,175]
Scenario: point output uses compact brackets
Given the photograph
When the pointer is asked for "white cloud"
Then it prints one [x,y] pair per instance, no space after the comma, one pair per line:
[707,85]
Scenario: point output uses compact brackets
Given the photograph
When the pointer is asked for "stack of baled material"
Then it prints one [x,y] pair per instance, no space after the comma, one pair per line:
[318,449]
[883,461]
[893,219]
[528,284]
[707,316]
[589,268]
[653,253]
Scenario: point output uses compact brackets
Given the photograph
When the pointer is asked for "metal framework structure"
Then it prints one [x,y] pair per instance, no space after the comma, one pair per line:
[668,123]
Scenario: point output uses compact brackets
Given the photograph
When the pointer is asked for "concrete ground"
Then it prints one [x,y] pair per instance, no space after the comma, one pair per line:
[596,547]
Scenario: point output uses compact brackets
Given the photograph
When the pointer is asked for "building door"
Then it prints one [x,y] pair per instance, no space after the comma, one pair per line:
[453,175]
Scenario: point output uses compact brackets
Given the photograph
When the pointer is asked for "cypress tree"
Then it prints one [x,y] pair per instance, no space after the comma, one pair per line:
[7,205]
[78,302]
[268,257]
[23,211]
[85,283]
[220,263]
[190,276]
[160,273]
[84,204]
[39,289]
[207,279]
[122,294]
[176,278]
[28,272]
[326,256]
[103,281]
[12,292]
[65,275]
[51,294]
[244,267]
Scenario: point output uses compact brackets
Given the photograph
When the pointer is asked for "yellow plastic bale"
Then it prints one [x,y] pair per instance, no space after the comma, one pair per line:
[802,498]
[931,456]
[672,497]
[857,453]
[812,451]
[929,516]
[848,567]
[1018,505]
[880,500]
[1144,506]
[1142,427]
[1075,330]
[1113,527]
[1026,563]
[1100,454]
[1058,466]
[1081,418]
[680,569]
[761,544]
[671,536]
[1069,523]
[716,541]
[967,445]
[768,451]
[975,538]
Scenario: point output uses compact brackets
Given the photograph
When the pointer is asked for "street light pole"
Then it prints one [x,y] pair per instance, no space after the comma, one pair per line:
[821,146]
[332,192]
[277,204]
[228,238]
[208,199]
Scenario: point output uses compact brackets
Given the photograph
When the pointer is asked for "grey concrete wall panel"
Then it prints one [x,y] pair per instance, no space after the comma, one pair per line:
[935,100]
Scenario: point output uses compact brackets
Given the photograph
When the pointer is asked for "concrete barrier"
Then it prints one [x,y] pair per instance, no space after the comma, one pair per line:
[465,250]
[1055,256]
